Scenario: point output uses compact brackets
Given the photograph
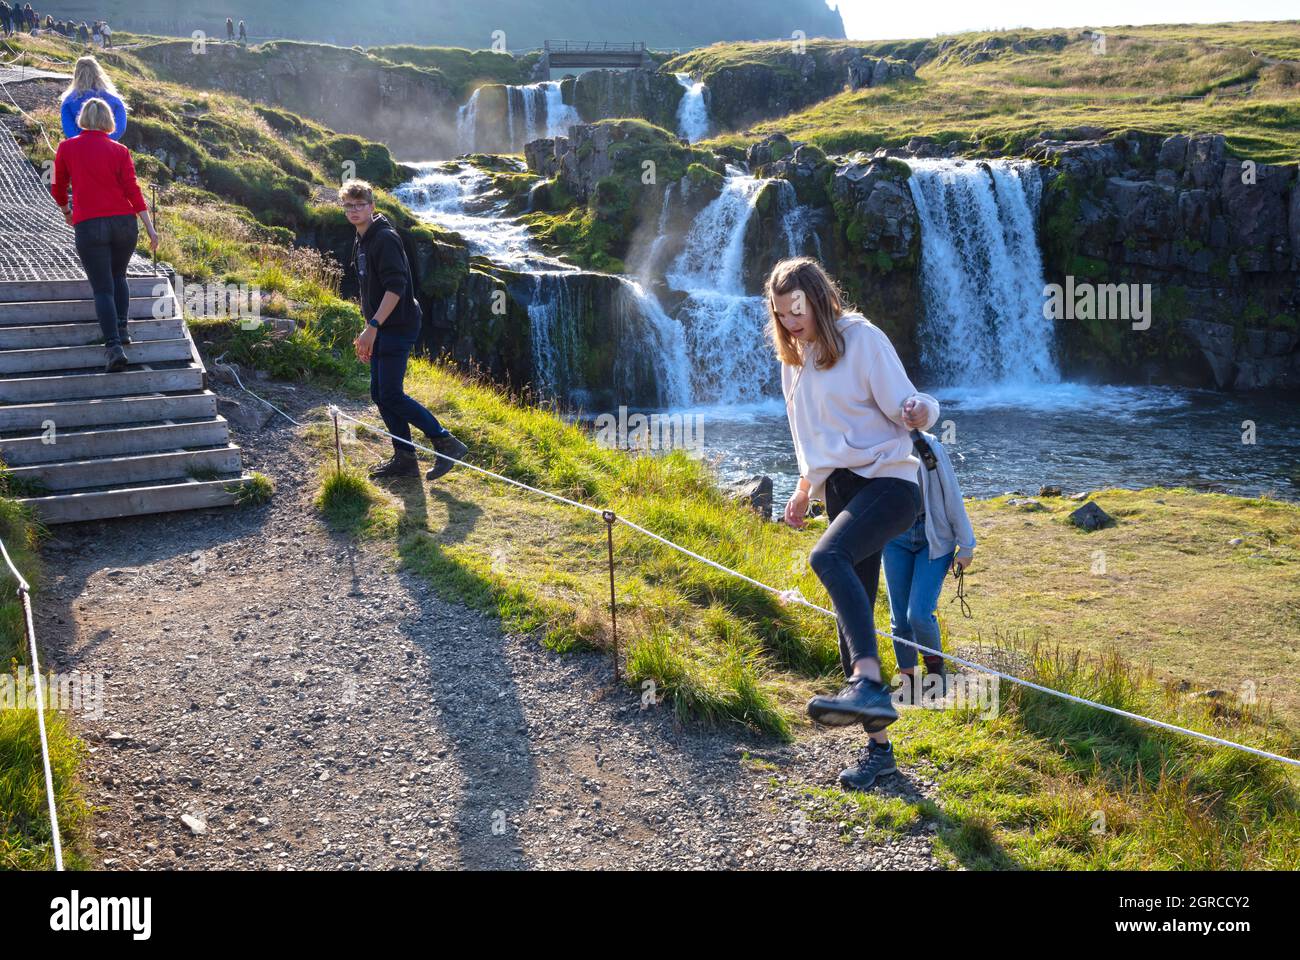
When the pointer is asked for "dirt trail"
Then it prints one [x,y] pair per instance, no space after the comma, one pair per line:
[306,704]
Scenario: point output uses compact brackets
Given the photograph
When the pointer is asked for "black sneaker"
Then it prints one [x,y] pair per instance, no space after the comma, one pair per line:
[398,465]
[449,445]
[123,336]
[862,701]
[874,761]
[116,360]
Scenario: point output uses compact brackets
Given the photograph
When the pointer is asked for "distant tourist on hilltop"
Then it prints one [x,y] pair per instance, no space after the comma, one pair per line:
[6,19]
[230,29]
[106,201]
[243,32]
[107,33]
[89,80]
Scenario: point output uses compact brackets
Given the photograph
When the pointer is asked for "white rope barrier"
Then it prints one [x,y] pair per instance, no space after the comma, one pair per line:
[793,596]
[24,592]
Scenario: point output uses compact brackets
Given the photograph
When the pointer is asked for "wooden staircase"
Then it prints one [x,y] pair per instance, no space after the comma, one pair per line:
[82,444]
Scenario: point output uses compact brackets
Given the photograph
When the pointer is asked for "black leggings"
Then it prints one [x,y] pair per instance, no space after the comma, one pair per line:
[105,245]
[865,514]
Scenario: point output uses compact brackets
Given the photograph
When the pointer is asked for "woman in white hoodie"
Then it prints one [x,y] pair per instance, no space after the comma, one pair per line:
[851,408]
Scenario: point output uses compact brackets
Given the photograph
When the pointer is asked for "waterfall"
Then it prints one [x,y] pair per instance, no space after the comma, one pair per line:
[692,111]
[532,111]
[467,123]
[981,273]
[726,330]
[553,315]
[796,223]
[649,362]
[660,350]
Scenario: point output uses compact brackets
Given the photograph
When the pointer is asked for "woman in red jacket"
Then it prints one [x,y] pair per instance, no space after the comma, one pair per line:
[107,199]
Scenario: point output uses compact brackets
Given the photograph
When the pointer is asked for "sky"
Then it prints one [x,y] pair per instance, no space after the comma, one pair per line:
[874,20]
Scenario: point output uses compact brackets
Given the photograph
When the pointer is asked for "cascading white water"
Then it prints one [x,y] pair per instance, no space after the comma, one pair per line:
[532,111]
[467,123]
[650,360]
[796,223]
[730,357]
[692,111]
[981,273]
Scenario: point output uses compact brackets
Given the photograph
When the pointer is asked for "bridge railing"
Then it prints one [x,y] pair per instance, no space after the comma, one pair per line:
[593,46]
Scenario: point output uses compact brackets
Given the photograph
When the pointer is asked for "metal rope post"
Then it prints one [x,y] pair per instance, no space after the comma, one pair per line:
[153,202]
[338,445]
[610,518]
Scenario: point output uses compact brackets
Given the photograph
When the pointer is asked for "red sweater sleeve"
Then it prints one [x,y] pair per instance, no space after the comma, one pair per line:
[130,186]
[59,188]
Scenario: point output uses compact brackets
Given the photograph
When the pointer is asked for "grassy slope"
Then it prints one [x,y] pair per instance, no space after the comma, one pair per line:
[1022,789]
[1166,79]
[256,178]
[25,836]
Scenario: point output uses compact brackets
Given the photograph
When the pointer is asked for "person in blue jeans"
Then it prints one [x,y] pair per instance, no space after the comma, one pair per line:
[392,328]
[916,563]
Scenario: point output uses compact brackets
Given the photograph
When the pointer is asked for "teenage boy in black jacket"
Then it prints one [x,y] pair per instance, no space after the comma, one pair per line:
[392,328]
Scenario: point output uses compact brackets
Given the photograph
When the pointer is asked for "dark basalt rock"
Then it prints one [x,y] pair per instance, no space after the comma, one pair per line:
[1091,517]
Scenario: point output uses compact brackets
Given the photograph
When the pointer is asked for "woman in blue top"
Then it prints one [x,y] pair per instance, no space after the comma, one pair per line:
[916,563]
[89,81]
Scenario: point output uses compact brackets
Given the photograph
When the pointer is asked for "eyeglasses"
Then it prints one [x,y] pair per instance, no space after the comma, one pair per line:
[355,207]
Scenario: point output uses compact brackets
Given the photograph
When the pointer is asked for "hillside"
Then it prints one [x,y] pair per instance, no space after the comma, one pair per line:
[666,24]
[996,90]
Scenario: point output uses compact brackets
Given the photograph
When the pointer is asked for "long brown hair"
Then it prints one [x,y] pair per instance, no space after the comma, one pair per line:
[821,296]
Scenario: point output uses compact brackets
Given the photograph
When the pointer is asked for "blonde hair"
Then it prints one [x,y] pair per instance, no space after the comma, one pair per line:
[821,296]
[96,114]
[89,75]
[356,190]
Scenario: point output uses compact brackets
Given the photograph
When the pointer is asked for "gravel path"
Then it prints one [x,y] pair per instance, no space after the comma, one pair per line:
[279,698]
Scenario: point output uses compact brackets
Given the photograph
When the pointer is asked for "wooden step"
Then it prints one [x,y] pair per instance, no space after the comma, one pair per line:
[134,469]
[85,334]
[113,442]
[79,358]
[70,414]
[83,386]
[16,290]
[133,501]
[27,313]
[129,383]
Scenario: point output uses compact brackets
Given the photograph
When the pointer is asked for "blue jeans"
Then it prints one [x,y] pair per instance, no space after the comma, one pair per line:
[105,245]
[915,582]
[865,514]
[387,389]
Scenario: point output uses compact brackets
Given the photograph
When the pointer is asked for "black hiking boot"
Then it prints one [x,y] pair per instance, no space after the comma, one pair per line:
[123,337]
[396,466]
[937,667]
[875,760]
[451,447]
[116,360]
[862,701]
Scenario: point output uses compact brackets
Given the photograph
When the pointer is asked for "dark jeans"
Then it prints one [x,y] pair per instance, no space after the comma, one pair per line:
[387,375]
[865,514]
[105,245]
